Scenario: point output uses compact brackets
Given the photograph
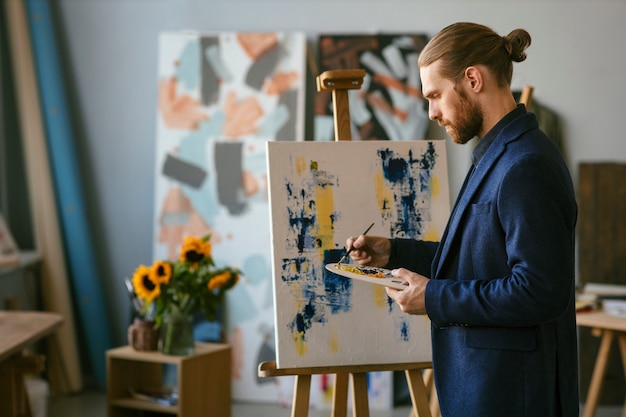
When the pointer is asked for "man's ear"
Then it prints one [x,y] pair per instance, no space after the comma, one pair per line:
[474,78]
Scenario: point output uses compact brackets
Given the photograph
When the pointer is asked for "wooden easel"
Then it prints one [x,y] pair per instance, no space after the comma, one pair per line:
[339,82]
[526,96]
[358,375]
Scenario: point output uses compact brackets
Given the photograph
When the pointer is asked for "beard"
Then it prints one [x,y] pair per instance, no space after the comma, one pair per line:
[469,120]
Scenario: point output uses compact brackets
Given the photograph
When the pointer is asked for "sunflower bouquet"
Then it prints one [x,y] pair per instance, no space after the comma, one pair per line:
[184,287]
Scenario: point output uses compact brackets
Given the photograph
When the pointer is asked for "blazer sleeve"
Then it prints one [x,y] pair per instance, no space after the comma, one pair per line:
[414,255]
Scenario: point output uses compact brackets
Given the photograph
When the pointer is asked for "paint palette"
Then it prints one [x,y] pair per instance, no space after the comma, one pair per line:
[371,274]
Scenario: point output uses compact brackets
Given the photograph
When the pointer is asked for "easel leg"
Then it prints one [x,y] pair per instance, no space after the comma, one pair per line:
[598,374]
[622,349]
[340,396]
[429,382]
[301,396]
[434,403]
[360,403]
[419,396]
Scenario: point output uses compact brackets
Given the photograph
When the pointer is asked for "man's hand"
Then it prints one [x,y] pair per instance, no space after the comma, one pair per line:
[370,250]
[411,300]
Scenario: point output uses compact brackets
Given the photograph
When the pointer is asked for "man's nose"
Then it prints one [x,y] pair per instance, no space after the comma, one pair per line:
[433,113]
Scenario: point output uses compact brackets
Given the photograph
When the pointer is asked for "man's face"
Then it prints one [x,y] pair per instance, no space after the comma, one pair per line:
[450,105]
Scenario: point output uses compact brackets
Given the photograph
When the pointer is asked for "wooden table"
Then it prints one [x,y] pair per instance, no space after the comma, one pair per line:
[608,327]
[19,329]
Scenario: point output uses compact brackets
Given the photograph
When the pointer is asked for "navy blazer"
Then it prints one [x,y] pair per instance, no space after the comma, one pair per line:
[501,297]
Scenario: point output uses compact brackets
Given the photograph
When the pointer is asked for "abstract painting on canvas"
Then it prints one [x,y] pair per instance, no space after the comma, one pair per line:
[221,96]
[321,193]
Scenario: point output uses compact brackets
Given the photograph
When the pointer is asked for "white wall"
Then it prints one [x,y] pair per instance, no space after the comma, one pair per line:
[576,64]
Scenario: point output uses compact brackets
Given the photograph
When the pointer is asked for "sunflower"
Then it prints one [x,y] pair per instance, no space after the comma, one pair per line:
[161,272]
[195,249]
[221,280]
[185,286]
[145,287]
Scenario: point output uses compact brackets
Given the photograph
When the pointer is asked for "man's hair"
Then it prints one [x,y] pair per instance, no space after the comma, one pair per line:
[464,44]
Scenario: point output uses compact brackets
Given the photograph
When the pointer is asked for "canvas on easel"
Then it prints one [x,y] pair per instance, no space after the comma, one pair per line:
[321,193]
[9,252]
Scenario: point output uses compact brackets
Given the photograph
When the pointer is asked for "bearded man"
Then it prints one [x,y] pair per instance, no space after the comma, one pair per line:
[499,286]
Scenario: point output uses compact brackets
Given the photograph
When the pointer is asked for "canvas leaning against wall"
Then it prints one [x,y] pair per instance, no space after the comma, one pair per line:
[321,193]
[221,96]
[389,104]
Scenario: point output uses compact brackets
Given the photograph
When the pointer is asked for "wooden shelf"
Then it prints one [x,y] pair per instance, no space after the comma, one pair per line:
[144,405]
[26,260]
[204,386]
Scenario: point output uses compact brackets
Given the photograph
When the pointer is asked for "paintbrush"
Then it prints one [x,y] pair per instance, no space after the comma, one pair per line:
[135,301]
[345,255]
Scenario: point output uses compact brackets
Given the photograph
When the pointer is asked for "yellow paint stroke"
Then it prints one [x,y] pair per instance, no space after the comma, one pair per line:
[300,165]
[325,206]
[435,186]
[380,296]
[333,342]
[384,195]
[301,346]
[432,234]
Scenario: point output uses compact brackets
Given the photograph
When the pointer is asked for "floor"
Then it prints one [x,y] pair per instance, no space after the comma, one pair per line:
[93,404]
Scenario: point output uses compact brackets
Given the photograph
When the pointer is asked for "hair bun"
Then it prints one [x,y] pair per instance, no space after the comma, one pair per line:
[516,43]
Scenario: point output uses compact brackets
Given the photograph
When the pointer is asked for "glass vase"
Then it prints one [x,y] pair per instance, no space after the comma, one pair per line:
[177,334]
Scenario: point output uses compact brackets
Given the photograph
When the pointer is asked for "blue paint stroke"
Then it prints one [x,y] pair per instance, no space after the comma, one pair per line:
[192,148]
[404,331]
[256,269]
[426,165]
[188,64]
[294,269]
[300,202]
[320,292]
[409,178]
[337,289]
[303,319]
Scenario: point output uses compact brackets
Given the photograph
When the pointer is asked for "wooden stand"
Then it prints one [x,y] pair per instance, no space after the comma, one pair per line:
[203,381]
[339,82]
[609,328]
[358,375]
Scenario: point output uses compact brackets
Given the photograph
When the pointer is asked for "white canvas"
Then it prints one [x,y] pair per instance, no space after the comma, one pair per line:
[321,193]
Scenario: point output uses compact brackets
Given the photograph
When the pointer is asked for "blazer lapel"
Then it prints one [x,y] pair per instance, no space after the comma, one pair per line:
[454,222]
[508,134]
